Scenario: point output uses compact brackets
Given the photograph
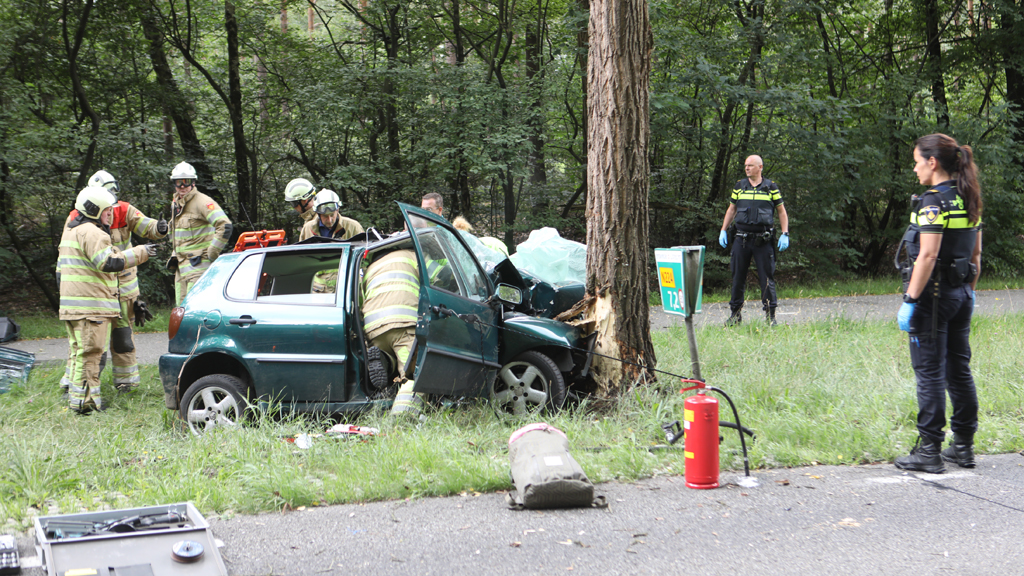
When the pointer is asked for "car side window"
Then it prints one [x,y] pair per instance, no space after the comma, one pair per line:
[475,285]
[309,278]
[242,285]
[440,272]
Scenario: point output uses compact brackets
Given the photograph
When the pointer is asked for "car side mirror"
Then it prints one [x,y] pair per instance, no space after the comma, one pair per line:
[509,294]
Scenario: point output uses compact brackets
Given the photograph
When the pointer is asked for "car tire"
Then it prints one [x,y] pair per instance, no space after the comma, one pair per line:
[213,401]
[529,384]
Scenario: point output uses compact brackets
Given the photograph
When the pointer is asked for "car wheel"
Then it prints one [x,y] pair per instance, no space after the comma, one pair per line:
[213,401]
[528,384]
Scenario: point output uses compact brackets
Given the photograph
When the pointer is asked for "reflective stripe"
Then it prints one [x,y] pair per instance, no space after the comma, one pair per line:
[393,313]
[100,258]
[83,302]
[397,275]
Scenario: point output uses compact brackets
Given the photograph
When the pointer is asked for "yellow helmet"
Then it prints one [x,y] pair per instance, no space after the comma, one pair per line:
[93,200]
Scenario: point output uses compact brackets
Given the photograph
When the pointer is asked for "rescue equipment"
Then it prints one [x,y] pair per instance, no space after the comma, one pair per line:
[700,414]
[545,475]
[259,239]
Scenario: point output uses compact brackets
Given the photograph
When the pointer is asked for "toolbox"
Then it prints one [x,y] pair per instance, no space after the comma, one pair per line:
[165,540]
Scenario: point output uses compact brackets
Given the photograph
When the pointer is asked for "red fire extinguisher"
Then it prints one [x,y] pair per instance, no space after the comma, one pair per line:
[700,422]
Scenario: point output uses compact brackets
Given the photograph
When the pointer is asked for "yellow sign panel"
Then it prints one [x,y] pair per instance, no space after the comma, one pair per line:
[668,279]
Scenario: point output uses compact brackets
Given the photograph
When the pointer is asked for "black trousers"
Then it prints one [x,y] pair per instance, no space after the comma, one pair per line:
[942,364]
[743,251]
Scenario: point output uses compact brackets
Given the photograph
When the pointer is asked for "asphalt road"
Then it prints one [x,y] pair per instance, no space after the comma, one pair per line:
[849,520]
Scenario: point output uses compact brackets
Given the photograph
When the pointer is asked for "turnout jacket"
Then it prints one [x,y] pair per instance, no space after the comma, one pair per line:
[128,220]
[200,231]
[343,229]
[755,205]
[87,268]
[391,293]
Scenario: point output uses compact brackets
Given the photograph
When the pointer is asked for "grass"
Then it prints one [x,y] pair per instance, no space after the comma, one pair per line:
[835,392]
[45,324]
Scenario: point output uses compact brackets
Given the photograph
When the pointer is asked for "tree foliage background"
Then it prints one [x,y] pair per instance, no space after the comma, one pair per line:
[484,101]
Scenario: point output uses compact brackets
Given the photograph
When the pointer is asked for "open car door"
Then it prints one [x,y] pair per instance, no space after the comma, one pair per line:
[456,334]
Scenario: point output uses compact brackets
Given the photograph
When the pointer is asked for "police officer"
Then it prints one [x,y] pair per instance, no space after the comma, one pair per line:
[127,220]
[939,302]
[201,230]
[329,222]
[751,208]
[299,193]
[87,268]
[390,295]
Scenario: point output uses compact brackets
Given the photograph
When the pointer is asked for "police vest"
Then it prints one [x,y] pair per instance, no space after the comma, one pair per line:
[755,205]
[943,211]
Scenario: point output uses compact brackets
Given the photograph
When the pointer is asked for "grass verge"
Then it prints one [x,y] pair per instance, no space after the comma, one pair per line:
[834,392]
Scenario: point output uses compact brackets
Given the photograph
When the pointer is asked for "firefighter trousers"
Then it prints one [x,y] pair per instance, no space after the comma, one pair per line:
[397,344]
[87,340]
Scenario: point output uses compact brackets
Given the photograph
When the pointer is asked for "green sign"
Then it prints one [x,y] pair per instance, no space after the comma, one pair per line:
[681,275]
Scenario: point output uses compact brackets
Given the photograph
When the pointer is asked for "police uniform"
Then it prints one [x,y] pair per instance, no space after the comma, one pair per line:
[755,225]
[390,304]
[200,232]
[940,328]
[88,264]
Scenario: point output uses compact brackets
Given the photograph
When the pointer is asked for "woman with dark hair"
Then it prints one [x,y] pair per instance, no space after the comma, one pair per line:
[939,301]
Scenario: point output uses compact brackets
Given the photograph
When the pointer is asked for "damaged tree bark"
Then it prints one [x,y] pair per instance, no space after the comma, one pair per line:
[618,177]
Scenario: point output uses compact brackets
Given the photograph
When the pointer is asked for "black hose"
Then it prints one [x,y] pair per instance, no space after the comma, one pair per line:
[739,427]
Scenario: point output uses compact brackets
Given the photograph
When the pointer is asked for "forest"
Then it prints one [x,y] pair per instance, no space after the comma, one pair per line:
[485,102]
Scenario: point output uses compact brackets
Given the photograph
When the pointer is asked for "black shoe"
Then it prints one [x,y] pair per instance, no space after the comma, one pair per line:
[736,319]
[377,364]
[923,458]
[770,317]
[960,451]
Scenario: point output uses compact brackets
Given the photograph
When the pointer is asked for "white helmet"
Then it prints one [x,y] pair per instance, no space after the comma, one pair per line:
[93,200]
[298,190]
[106,180]
[183,171]
[326,202]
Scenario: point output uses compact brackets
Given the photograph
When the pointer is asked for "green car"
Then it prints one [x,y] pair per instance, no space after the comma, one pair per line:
[260,327]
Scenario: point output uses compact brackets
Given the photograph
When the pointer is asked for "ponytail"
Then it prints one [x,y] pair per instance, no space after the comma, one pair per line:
[959,160]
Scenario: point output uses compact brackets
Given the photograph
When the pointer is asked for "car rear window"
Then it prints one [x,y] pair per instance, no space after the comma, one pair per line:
[306,278]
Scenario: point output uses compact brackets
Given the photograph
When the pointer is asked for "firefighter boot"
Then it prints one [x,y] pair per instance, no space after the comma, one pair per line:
[770,317]
[960,451]
[736,319]
[923,458]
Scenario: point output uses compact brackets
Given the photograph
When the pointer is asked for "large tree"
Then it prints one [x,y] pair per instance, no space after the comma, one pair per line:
[617,188]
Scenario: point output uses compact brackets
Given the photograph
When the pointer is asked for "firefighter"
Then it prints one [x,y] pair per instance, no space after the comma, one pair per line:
[127,220]
[390,300]
[329,223]
[939,302]
[87,269]
[751,206]
[299,193]
[201,231]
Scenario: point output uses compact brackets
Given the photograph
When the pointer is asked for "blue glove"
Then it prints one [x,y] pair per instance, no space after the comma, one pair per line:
[971,292]
[723,239]
[903,316]
[783,241]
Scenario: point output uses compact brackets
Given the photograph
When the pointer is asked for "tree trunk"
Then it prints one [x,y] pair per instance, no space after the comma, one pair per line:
[617,191]
[16,243]
[72,47]
[177,107]
[934,64]
[1010,22]
[248,206]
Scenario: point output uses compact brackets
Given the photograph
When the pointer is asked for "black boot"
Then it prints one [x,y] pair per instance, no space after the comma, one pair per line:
[770,317]
[923,458]
[736,319]
[960,451]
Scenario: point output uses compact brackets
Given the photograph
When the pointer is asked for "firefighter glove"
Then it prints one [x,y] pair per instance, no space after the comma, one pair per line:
[142,313]
[161,226]
[783,241]
[723,239]
[151,250]
[903,316]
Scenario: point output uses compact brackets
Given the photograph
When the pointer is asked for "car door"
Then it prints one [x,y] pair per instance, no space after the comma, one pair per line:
[457,333]
[287,323]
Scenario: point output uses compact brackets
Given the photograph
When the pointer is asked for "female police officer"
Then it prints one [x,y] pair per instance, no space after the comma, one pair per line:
[939,301]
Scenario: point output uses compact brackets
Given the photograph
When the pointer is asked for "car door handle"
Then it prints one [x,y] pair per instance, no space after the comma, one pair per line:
[243,321]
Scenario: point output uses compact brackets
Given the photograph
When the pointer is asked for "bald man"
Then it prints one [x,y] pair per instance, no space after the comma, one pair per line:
[752,208]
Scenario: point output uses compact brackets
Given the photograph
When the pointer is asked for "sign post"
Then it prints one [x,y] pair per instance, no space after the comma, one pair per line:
[681,275]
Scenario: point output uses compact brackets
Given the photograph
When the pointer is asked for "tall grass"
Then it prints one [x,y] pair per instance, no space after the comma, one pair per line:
[835,392]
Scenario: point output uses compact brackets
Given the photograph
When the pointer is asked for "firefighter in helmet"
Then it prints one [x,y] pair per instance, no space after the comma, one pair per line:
[390,301]
[127,220]
[201,231]
[87,269]
[329,223]
[299,193]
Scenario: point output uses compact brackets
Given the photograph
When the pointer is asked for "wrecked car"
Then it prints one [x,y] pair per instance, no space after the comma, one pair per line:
[254,332]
